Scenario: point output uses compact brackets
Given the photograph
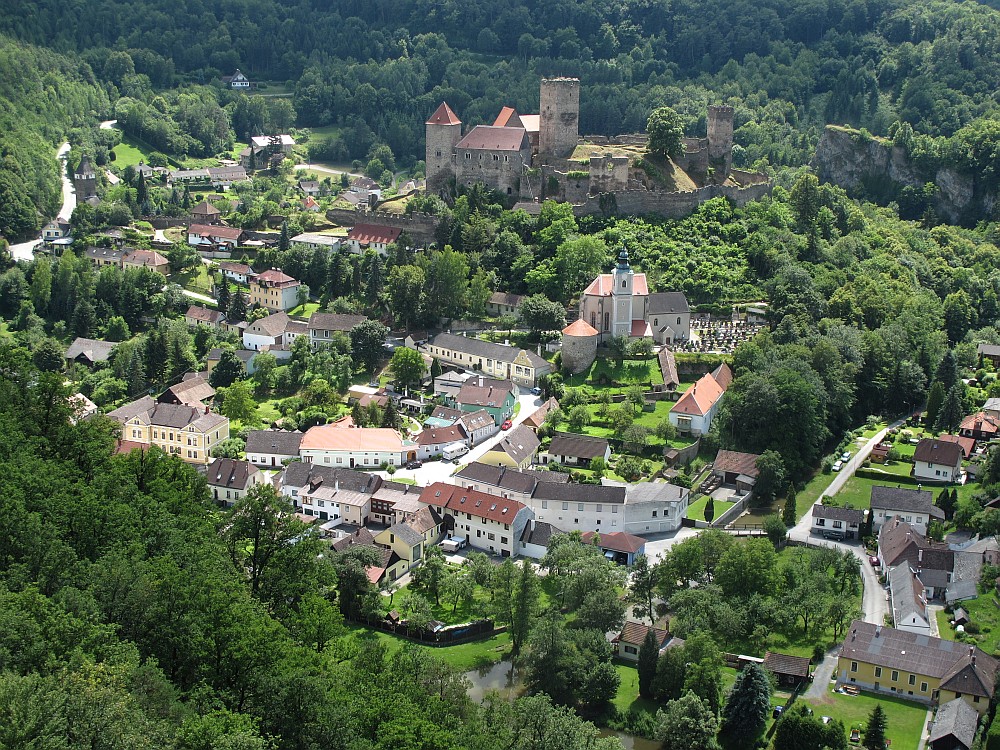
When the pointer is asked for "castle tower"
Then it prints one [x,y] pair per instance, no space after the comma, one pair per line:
[85,180]
[559,116]
[621,294]
[444,131]
[720,139]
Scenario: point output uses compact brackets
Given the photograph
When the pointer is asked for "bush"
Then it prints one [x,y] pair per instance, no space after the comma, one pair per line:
[827,465]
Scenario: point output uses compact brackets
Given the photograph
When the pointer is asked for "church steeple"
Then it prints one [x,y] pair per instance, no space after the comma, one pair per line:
[623,260]
[623,279]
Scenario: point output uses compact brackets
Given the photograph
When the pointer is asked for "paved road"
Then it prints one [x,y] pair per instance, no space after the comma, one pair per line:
[108,124]
[440,471]
[875,601]
[199,297]
[23,250]
[326,170]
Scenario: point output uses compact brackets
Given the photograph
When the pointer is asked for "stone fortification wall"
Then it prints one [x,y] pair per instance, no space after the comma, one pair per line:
[670,205]
[419,226]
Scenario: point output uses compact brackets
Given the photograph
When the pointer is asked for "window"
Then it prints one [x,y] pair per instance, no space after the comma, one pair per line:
[545,504]
[895,676]
[923,687]
[678,320]
[821,522]
[503,540]
[599,507]
[878,671]
[491,536]
[838,524]
[614,508]
[579,506]
[623,283]
[631,650]
[913,679]
[654,514]
[565,506]
[854,666]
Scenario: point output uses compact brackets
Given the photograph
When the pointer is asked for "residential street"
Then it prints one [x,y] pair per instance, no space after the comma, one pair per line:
[22,250]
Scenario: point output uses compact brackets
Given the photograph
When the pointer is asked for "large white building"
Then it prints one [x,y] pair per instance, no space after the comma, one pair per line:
[350,447]
[490,523]
[647,508]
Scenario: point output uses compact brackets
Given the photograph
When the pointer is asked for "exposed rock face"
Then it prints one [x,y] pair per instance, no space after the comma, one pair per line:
[859,164]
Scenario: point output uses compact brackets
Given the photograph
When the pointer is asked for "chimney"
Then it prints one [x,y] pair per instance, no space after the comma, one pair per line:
[206,410]
[878,631]
[336,485]
[920,555]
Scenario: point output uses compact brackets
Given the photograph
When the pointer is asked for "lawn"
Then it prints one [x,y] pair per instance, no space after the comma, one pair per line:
[128,153]
[610,373]
[464,656]
[196,279]
[648,419]
[696,510]
[304,311]
[984,612]
[858,490]
[628,698]
[267,411]
[904,719]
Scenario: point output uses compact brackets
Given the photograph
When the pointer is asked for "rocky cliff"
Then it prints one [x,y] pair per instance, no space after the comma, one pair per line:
[875,169]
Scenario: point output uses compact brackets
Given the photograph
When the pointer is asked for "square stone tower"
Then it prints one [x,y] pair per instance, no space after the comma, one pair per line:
[720,138]
[444,131]
[559,122]
[84,179]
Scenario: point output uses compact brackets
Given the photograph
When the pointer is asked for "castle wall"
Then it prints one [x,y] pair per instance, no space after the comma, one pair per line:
[669,205]
[720,138]
[559,111]
[608,174]
[578,352]
[419,226]
[501,170]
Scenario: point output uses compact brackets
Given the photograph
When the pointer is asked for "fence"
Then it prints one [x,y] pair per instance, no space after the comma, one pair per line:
[732,513]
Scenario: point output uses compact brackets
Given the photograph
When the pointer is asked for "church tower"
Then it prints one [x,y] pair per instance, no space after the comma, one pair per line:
[85,180]
[621,295]
[444,131]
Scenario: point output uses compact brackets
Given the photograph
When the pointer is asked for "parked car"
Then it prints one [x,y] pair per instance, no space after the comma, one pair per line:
[873,561]
[838,465]
[845,456]
[536,391]
[776,713]
[414,464]
[506,425]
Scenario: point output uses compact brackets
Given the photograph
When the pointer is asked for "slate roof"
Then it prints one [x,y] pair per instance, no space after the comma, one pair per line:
[442,435]
[957,719]
[473,502]
[104,253]
[192,391]
[580,493]
[485,392]
[406,533]
[425,519]
[205,209]
[949,661]
[899,542]
[93,350]
[617,541]
[334,321]
[668,302]
[734,462]
[668,367]
[785,664]
[301,474]
[490,138]
[476,420]
[520,444]
[851,516]
[176,416]
[498,476]
[360,537]
[938,452]
[904,499]
[280,442]
[907,594]
[577,446]
[230,473]
[663,492]
[634,633]
[539,532]
[506,298]
[485,349]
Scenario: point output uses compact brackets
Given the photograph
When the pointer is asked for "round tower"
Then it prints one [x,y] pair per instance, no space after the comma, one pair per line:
[444,131]
[623,279]
[559,116]
[579,346]
[720,136]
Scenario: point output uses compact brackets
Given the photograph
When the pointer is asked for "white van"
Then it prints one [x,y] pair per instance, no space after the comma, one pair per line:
[454,450]
[454,544]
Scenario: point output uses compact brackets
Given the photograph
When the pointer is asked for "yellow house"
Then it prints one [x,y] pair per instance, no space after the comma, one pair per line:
[410,539]
[515,450]
[185,431]
[916,667]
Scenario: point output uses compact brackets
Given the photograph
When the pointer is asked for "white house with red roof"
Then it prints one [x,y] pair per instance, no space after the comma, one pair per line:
[620,304]
[695,409]
[488,522]
[214,234]
[274,290]
[363,237]
[355,447]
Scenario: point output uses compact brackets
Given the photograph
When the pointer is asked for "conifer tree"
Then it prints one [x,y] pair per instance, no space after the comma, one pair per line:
[649,654]
[788,514]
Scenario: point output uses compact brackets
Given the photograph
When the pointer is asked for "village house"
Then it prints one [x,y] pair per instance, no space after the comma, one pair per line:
[362,447]
[274,290]
[318,241]
[536,537]
[575,450]
[937,461]
[909,603]
[241,273]
[489,523]
[495,396]
[323,326]
[410,538]
[916,667]
[979,426]
[309,204]
[617,546]
[694,411]
[229,480]
[237,81]
[215,235]
[206,213]
[194,390]
[331,502]
[504,303]
[954,726]
[82,407]
[450,382]
[497,360]
[628,642]
[274,331]
[736,469]
[516,449]
[309,187]
[990,352]
[246,356]
[88,352]
[432,441]
[201,315]
[57,229]
[915,506]
[392,502]
[791,671]
[105,256]
[644,508]
[478,425]
[146,259]
[836,522]
[505,481]
[185,431]
[901,545]
[272,448]
[282,142]
[537,418]
[300,476]
[668,369]
[363,237]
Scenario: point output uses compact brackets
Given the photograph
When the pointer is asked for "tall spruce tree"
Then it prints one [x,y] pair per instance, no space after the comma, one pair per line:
[525,606]
[951,413]
[749,702]
[875,729]
[788,513]
[649,654]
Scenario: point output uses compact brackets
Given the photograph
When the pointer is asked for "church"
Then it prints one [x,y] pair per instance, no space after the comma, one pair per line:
[619,304]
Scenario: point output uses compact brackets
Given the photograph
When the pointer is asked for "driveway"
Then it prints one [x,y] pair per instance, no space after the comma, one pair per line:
[822,676]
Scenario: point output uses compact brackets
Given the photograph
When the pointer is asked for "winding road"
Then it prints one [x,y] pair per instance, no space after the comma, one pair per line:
[23,250]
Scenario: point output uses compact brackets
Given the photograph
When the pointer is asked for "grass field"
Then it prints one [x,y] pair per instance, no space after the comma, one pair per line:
[983,611]
[904,719]
[464,657]
[128,153]
[628,698]
[858,490]
[630,372]
[696,511]
[196,279]
[304,311]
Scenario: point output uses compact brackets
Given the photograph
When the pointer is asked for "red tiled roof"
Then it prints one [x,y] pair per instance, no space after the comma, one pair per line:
[603,285]
[368,233]
[619,541]
[634,633]
[579,327]
[226,233]
[274,277]
[967,444]
[639,329]
[489,138]
[700,398]
[473,502]
[444,116]
[508,118]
